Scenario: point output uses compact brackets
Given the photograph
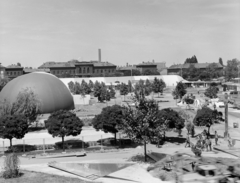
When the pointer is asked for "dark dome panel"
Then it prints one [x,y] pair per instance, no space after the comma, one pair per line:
[51,91]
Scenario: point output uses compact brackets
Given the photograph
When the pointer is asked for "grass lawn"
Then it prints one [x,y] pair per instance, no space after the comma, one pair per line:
[34,177]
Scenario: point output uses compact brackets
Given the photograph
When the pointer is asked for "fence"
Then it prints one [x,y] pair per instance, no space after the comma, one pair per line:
[44,144]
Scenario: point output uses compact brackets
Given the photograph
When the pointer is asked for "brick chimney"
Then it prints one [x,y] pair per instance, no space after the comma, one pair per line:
[99,55]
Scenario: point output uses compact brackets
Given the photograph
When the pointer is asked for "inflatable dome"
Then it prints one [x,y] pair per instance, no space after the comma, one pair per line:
[51,91]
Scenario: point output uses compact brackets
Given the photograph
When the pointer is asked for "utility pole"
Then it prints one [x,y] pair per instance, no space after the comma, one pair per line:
[226,115]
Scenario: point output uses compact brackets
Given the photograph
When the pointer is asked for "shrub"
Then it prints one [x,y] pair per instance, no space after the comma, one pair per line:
[11,166]
[20,148]
[71,144]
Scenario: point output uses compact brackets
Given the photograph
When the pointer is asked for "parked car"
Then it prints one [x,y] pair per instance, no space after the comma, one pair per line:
[71,144]
[219,104]
[21,148]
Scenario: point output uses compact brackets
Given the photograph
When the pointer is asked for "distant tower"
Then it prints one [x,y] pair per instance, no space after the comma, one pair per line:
[99,55]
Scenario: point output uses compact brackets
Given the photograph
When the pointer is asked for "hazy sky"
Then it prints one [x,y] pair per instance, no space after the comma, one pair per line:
[127,31]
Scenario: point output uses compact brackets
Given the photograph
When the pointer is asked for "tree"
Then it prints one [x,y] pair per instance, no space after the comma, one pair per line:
[136,72]
[108,119]
[172,119]
[206,117]
[124,90]
[220,61]
[191,60]
[130,87]
[18,64]
[27,104]
[191,73]
[180,90]
[91,85]
[85,88]
[77,88]
[112,92]
[211,92]
[3,82]
[148,86]
[140,87]
[150,72]
[71,87]
[232,69]
[13,126]
[158,85]
[141,124]
[63,123]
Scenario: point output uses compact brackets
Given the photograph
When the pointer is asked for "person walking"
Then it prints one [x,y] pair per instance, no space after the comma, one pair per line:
[208,144]
[216,138]
[187,141]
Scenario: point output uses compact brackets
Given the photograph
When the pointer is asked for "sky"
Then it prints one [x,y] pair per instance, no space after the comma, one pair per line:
[127,31]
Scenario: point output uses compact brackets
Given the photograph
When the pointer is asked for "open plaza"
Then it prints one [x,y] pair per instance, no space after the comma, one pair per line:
[110,163]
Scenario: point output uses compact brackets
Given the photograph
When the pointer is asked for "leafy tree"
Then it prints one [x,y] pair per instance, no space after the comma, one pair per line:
[213,72]
[130,87]
[124,90]
[211,92]
[27,104]
[158,85]
[112,92]
[172,119]
[207,117]
[3,82]
[91,85]
[71,87]
[63,123]
[148,86]
[232,69]
[191,60]
[136,72]
[85,88]
[220,61]
[141,124]
[180,90]
[77,88]
[109,119]
[13,126]
[150,72]
[191,73]
[140,87]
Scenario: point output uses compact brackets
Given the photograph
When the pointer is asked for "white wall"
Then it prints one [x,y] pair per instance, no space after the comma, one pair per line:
[80,100]
[170,80]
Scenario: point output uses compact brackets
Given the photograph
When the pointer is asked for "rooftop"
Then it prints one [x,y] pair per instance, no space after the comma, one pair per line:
[14,66]
[147,63]
[36,70]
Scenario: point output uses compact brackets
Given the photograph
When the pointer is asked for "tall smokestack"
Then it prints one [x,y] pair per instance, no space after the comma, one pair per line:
[99,55]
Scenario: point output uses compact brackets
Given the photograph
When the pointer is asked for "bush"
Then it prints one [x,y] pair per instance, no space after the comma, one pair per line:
[11,166]
[20,148]
[71,144]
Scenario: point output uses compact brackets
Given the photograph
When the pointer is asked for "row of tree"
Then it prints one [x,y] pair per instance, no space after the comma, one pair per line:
[99,90]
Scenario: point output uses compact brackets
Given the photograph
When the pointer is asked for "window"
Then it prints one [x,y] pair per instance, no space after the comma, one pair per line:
[14,73]
[101,71]
[88,70]
[83,69]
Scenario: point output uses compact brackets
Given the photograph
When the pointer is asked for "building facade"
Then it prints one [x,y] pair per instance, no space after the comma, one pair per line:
[146,66]
[13,71]
[79,69]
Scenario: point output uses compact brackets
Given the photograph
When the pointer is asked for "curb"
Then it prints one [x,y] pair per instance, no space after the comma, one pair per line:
[218,149]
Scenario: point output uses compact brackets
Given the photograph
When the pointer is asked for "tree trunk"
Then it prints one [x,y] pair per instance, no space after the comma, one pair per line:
[145,151]
[63,148]
[10,143]
[158,95]
[208,134]
[115,139]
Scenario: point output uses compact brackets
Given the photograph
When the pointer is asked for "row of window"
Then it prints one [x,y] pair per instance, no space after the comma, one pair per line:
[82,71]
[14,73]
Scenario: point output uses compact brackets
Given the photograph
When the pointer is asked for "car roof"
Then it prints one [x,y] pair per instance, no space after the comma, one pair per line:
[207,167]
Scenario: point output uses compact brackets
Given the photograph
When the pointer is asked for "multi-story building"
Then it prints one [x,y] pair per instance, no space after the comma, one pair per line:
[177,69]
[2,70]
[13,71]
